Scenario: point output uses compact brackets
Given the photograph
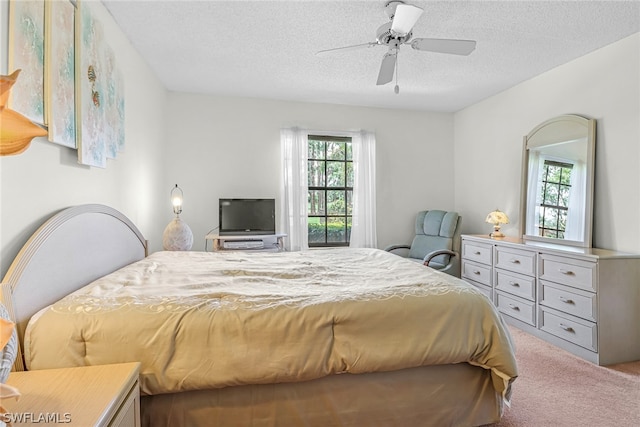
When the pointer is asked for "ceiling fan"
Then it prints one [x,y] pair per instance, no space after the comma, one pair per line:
[397,32]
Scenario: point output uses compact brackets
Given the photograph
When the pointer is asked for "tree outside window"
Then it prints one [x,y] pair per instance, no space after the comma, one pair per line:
[330,196]
[555,190]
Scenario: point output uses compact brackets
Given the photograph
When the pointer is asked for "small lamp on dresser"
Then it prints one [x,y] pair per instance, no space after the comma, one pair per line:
[177,235]
[497,218]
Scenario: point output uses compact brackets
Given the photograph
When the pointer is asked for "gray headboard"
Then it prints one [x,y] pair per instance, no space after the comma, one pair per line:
[71,249]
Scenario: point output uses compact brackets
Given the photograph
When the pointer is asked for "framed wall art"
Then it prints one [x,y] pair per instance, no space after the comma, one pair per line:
[26,52]
[60,72]
[91,79]
[99,91]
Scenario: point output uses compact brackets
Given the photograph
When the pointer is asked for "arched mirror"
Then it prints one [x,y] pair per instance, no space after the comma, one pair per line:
[557,181]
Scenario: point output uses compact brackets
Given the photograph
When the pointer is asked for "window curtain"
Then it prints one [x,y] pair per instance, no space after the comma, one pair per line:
[363,229]
[534,190]
[294,189]
[575,216]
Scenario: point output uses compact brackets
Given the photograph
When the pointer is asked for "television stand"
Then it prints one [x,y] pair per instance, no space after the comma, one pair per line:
[255,242]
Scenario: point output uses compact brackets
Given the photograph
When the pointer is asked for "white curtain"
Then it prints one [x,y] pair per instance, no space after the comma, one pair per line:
[363,229]
[294,188]
[576,208]
[534,189]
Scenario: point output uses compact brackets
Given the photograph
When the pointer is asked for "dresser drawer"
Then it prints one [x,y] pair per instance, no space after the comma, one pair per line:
[577,331]
[523,262]
[571,301]
[570,272]
[476,272]
[516,307]
[517,284]
[478,252]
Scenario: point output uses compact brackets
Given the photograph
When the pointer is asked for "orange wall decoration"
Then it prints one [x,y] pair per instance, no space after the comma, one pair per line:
[16,131]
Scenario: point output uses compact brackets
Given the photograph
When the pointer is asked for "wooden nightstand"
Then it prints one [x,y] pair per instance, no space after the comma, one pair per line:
[104,395]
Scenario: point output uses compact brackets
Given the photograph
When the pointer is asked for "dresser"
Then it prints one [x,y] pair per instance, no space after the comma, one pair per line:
[584,300]
[102,395]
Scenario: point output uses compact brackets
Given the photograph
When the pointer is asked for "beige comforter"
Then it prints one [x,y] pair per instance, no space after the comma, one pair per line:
[199,320]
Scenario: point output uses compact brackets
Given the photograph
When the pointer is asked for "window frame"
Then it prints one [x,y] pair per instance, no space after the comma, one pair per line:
[557,207]
[347,215]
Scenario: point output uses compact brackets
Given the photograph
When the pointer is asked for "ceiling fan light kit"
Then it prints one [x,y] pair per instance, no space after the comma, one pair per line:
[397,32]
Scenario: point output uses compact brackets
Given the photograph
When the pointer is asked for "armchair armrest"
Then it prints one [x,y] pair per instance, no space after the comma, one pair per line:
[392,248]
[428,257]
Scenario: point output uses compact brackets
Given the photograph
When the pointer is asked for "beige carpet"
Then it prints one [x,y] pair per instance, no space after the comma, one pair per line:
[556,388]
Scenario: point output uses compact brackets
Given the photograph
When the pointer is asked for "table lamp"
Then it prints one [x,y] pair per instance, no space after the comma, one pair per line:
[177,235]
[496,218]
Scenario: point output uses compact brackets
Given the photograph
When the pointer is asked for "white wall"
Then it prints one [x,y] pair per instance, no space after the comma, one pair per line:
[230,147]
[46,177]
[604,85]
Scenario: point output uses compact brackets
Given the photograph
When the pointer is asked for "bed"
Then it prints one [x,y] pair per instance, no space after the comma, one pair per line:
[328,337]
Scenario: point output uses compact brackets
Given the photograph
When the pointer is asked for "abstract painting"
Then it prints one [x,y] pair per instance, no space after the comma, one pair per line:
[59,71]
[99,92]
[91,83]
[26,52]
[113,105]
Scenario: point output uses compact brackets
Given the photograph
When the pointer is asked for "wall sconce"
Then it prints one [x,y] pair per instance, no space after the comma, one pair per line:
[177,235]
[496,218]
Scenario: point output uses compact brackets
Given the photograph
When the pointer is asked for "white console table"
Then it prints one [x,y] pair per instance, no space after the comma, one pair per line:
[267,242]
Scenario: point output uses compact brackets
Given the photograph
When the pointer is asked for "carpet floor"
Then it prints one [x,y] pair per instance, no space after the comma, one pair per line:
[556,388]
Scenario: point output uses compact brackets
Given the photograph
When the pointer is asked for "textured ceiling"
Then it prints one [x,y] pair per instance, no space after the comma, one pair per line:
[266,49]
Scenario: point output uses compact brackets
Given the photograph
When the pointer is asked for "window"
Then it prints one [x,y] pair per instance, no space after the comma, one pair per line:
[330,196]
[555,190]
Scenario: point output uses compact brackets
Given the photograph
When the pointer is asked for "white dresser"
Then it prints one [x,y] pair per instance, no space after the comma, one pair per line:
[584,300]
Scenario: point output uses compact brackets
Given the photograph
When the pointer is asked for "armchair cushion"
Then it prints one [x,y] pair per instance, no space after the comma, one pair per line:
[422,245]
[436,223]
[434,230]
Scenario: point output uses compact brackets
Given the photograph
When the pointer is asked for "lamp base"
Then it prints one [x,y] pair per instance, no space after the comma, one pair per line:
[177,236]
[496,231]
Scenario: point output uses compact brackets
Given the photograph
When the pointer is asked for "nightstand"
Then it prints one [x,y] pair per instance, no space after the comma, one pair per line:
[103,395]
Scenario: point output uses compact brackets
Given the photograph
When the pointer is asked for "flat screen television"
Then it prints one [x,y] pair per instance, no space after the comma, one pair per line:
[247,216]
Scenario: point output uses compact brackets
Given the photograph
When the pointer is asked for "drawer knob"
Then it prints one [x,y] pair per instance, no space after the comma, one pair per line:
[515,261]
[476,272]
[477,252]
[567,328]
[516,284]
[566,300]
[567,272]
[514,307]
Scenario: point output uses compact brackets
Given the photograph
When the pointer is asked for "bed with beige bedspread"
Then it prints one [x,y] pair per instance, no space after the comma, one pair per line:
[198,320]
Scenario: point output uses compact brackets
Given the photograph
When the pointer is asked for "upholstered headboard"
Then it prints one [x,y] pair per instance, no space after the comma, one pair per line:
[71,249]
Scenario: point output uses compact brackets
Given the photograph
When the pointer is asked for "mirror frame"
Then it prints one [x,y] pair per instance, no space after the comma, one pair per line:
[590,129]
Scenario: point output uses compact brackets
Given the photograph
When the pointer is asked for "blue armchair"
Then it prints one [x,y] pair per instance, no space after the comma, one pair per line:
[436,243]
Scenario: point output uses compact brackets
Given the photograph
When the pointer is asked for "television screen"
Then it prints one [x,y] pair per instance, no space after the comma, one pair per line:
[247,216]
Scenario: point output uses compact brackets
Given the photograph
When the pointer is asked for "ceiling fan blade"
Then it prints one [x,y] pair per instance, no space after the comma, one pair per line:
[387,68]
[346,48]
[405,18]
[456,47]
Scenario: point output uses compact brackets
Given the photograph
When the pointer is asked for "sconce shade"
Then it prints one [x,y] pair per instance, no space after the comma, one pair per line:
[496,218]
